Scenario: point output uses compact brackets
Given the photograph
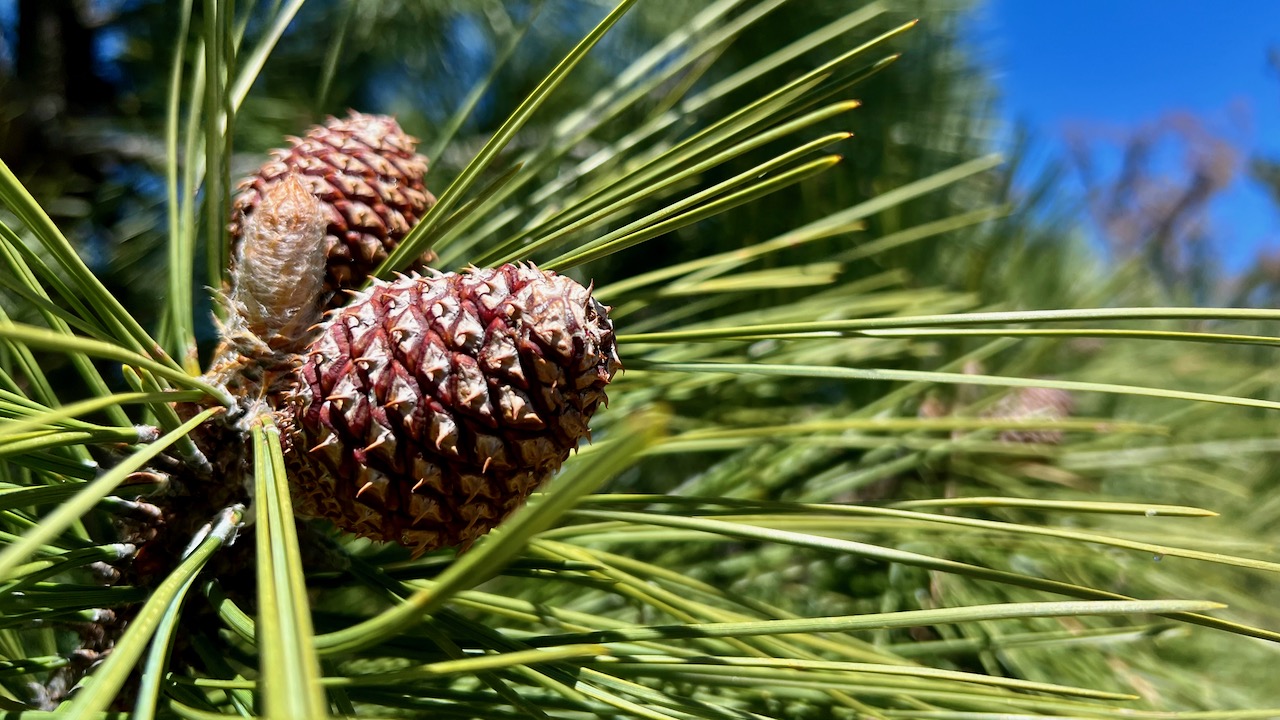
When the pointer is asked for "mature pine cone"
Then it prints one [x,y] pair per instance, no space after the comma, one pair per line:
[370,183]
[430,407]
[1033,403]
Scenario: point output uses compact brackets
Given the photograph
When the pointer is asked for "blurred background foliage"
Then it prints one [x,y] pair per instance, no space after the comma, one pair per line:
[91,134]
[85,85]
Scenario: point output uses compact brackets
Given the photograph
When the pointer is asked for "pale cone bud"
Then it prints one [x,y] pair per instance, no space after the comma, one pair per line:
[279,270]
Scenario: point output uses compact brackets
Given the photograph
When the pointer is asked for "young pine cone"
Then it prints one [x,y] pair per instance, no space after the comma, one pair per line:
[275,298]
[279,270]
[369,181]
[430,407]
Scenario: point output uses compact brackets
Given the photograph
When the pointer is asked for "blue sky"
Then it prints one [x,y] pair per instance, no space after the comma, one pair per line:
[1119,64]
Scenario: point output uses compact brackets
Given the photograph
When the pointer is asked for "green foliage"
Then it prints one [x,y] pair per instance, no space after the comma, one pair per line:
[828,484]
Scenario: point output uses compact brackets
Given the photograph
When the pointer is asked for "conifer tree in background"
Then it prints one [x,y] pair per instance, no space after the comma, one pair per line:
[890,442]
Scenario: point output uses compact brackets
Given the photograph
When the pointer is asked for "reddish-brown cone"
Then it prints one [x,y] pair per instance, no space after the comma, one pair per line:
[1031,404]
[430,407]
[369,180]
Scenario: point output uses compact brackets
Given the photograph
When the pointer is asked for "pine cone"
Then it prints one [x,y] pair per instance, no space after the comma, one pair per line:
[1034,403]
[370,183]
[430,407]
